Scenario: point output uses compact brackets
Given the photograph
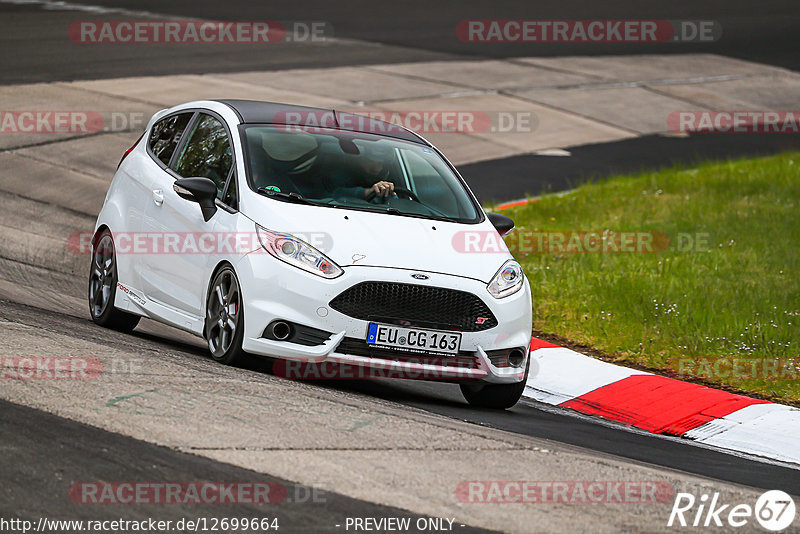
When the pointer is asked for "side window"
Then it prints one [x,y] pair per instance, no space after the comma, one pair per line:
[231,197]
[207,153]
[166,135]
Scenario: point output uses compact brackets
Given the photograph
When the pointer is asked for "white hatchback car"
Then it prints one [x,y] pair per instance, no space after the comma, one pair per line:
[311,235]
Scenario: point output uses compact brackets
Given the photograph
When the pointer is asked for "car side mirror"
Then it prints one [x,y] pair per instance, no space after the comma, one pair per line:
[501,223]
[200,190]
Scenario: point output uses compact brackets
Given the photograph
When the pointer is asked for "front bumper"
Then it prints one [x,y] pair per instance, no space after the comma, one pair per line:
[273,290]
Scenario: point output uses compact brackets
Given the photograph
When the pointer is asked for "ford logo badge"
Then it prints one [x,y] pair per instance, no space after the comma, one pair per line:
[420,276]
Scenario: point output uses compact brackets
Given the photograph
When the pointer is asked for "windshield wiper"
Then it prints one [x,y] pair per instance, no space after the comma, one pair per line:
[290,197]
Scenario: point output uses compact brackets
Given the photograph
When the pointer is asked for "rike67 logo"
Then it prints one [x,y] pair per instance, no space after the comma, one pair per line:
[774,510]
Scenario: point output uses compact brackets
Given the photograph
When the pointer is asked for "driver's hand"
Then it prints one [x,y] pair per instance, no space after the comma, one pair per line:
[381,189]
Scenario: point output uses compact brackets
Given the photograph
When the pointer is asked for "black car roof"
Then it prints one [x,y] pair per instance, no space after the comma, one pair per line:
[255,112]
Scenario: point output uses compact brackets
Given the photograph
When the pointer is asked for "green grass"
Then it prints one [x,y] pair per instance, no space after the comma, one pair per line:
[727,313]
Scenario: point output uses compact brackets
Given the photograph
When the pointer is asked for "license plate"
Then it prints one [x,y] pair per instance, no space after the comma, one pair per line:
[414,339]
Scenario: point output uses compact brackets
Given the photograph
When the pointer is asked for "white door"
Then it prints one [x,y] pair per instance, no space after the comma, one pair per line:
[137,190]
[175,277]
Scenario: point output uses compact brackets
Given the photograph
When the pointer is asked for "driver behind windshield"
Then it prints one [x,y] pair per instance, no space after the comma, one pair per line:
[367,176]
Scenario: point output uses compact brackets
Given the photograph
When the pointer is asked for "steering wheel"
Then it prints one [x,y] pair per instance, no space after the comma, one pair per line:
[399,191]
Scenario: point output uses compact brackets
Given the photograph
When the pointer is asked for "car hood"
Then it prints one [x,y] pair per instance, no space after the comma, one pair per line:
[351,237]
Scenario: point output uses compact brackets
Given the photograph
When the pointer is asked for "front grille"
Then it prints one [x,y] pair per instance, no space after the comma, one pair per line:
[415,305]
[359,347]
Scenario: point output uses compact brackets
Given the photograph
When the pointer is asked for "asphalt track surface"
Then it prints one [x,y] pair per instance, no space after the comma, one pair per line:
[385,32]
[527,418]
[56,449]
[532,419]
[526,174]
[413,30]
[55,452]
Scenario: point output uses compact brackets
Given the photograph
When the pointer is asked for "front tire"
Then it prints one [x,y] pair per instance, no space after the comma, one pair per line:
[225,318]
[495,396]
[103,287]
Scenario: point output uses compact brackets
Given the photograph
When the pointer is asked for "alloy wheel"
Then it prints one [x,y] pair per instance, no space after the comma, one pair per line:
[222,313]
[101,280]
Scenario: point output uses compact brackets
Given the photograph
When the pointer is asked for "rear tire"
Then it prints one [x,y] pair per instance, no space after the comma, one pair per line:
[103,287]
[224,328]
[495,396]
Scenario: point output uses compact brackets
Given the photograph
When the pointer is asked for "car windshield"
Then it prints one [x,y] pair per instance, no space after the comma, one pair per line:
[339,169]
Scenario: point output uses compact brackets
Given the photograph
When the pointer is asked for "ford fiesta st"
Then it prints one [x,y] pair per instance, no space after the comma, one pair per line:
[311,235]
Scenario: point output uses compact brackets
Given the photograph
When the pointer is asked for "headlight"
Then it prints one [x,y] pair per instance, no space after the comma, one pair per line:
[297,252]
[507,281]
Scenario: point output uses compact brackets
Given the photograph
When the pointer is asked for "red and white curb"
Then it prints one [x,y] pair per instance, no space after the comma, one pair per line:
[661,405]
[514,203]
